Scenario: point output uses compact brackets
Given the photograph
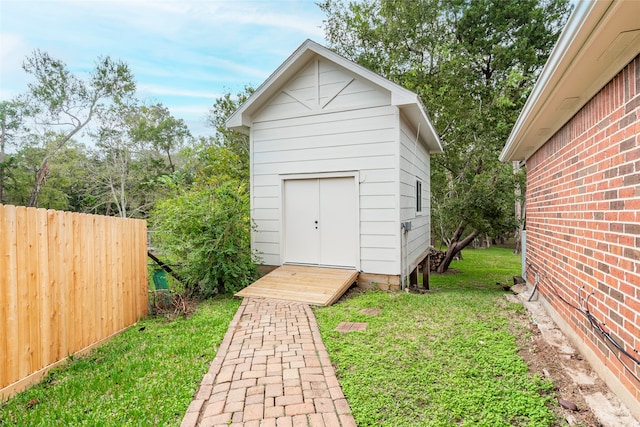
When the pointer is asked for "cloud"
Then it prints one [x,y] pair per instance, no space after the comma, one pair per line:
[13,79]
[262,14]
[184,54]
[173,91]
[191,110]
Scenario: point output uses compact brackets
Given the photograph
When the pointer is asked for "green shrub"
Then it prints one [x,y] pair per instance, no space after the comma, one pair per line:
[208,229]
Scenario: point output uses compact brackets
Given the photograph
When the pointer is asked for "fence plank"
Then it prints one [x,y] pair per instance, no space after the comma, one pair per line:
[118,274]
[4,284]
[110,308]
[33,306]
[43,287]
[54,250]
[90,281]
[141,275]
[68,282]
[75,291]
[128,277]
[13,334]
[67,292]
[98,237]
[22,261]
[8,296]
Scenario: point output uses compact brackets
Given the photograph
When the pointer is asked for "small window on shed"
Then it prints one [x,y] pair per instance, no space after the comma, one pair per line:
[418,195]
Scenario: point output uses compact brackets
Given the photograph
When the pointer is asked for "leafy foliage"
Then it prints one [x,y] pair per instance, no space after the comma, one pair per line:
[236,142]
[45,163]
[222,109]
[206,223]
[208,229]
[12,124]
[61,100]
[473,63]
[67,174]
[135,146]
[156,127]
[139,154]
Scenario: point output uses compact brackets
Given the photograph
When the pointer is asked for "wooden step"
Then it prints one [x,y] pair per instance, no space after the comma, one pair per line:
[309,284]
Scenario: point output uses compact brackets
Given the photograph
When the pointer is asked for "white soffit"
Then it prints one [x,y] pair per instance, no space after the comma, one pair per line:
[600,38]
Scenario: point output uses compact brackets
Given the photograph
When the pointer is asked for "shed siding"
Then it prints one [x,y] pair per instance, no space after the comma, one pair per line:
[320,87]
[414,164]
[334,140]
[583,223]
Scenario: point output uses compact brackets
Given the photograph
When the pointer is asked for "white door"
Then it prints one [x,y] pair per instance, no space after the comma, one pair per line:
[320,221]
[302,239]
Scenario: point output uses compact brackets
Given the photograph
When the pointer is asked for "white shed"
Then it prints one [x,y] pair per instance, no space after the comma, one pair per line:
[339,167]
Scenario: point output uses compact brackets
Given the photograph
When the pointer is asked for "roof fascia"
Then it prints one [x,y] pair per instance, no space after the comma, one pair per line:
[577,30]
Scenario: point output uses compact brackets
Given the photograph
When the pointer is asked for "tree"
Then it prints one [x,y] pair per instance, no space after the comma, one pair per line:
[67,178]
[473,62]
[519,208]
[11,125]
[205,220]
[233,141]
[135,145]
[63,101]
[155,126]
[208,229]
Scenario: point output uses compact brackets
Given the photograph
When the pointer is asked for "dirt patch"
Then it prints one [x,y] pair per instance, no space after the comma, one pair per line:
[577,385]
[171,304]
[543,359]
[345,327]
[352,292]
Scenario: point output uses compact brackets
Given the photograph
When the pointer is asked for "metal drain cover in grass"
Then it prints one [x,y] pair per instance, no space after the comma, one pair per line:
[351,326]
[371,311]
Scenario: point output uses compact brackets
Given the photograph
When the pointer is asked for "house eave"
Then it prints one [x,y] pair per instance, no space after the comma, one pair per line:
[600,38]
[418,118]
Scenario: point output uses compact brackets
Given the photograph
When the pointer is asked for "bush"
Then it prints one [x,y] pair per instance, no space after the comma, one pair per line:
[208,228]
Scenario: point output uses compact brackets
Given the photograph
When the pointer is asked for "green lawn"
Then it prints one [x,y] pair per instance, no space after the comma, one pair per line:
[448,357]
[145,376]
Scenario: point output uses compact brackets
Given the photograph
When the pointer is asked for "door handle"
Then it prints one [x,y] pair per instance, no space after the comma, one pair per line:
[316,223]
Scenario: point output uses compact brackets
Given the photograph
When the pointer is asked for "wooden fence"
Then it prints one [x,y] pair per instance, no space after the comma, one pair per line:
[68,281]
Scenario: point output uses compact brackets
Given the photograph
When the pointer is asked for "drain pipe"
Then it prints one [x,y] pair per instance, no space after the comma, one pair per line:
[405,226]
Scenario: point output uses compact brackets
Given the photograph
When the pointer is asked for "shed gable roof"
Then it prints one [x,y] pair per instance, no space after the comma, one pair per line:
[408,102]
[600,38]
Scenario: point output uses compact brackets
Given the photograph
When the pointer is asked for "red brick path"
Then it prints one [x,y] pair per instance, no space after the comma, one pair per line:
[272,369]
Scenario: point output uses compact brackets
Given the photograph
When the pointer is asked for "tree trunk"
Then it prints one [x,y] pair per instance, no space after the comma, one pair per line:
[41,174]
[518,241]
[44,166]
[171,165]
[456,246]
[482,242]
[519,212]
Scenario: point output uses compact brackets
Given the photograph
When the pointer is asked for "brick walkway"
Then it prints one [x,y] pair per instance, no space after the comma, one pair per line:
[272,369]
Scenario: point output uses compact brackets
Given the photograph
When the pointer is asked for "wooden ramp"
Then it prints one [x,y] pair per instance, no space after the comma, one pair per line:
[312,285]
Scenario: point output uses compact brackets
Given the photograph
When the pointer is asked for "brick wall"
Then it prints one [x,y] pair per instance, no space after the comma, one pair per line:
[583,223]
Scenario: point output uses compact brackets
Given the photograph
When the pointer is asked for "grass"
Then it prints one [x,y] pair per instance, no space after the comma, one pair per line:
[448,357]
[145,376]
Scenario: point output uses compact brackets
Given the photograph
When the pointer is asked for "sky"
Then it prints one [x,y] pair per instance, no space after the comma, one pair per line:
[183,53]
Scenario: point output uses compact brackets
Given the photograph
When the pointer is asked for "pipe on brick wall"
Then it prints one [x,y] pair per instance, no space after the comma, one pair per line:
[596,325]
